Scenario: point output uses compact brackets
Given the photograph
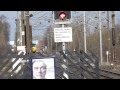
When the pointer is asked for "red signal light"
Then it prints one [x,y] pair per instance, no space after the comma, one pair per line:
[62,15]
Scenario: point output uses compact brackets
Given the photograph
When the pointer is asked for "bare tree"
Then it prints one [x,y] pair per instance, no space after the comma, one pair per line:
[4,34]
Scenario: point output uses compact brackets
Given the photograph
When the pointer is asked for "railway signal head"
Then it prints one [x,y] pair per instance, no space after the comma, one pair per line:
[61,17]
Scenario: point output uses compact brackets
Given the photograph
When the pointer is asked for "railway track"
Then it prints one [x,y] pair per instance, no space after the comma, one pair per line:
[104,74]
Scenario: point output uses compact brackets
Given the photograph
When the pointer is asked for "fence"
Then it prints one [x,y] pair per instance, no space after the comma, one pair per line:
[71,65]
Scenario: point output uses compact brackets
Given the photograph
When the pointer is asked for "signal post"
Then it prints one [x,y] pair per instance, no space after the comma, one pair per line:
[62,18]
[63,34]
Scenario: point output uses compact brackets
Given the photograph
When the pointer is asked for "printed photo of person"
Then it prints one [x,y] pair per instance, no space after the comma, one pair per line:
[43,68]
[39,69]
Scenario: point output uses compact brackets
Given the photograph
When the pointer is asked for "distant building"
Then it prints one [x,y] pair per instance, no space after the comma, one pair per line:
[40,44]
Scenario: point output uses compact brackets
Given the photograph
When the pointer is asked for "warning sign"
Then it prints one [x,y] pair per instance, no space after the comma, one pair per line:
[63,34]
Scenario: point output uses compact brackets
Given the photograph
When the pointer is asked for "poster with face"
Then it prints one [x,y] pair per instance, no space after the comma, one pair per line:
[43,68]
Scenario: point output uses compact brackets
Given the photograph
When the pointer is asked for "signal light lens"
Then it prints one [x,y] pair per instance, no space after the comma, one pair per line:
[62,15]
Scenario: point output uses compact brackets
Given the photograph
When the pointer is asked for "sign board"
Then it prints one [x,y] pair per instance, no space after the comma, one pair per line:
[43,68]
[21,48]
[63,34]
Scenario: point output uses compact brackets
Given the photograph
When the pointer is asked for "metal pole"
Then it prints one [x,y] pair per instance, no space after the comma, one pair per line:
[51,38]
[74,40]
[80,36]
[79,39]
[63,44]
[56,47]
[107,53]
[113,34]
[16,33]
[101,56]
[85,32]
[22,27]
[48,40]
[109,60]
[63,48]
[27,34]
[18,29]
